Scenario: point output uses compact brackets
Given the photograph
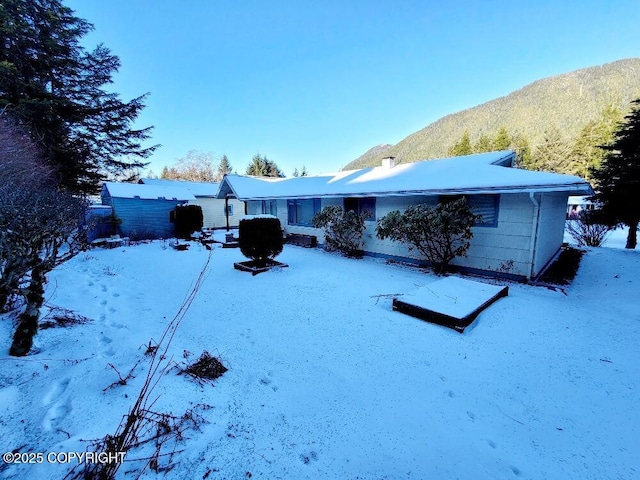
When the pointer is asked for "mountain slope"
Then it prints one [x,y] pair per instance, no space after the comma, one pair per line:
[566,101]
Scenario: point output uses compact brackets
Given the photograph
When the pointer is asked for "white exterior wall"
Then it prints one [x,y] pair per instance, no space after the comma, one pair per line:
[507,247]
[384,206]
[213,212]
[550,228]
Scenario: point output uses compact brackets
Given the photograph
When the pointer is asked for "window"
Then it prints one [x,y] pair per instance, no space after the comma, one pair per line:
[301,211]
[484,205]
[487,207]
[366,205]
[270,207]
[228,210]
[172,216]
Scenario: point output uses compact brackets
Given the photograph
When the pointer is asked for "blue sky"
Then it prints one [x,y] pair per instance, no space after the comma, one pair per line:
[319,83]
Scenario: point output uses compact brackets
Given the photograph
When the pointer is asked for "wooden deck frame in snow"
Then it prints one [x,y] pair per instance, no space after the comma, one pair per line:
[435,303]
[255,268]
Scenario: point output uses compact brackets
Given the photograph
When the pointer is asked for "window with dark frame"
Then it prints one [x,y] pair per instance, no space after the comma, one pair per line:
[269,207]
[361,205]
[301,211]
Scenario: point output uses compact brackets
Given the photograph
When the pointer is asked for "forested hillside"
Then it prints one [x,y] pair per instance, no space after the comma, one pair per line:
[548,122]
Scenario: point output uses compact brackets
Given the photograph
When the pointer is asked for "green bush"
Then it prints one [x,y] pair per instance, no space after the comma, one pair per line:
[188,219]
[440,233]
[260,238]
[342,230]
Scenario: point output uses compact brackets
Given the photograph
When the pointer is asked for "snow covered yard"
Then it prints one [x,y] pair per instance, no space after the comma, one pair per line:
[326,381]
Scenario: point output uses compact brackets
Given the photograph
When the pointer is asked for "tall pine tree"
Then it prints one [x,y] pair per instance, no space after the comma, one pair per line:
[462,146]
[224,167]
[618,179]
[261,166]
[56,90]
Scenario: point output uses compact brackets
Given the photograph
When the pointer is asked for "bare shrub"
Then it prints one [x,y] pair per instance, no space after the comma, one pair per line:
[206,368]
[587,229]
[62,317]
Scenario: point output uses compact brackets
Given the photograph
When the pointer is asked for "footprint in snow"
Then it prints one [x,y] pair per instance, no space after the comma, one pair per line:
[56,390]
[60,406]
[308,458]
[56,414]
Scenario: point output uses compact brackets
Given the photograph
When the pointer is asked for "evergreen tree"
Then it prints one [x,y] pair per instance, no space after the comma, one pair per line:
[587,154]
[552,155]
[502,140]
[300,173]
[462,146]
[54,87]
[484,144]
[618,179]
[224,167]
[520,144]
[261,166]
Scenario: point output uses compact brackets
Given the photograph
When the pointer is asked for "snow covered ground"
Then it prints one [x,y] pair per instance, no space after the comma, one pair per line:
[326,381]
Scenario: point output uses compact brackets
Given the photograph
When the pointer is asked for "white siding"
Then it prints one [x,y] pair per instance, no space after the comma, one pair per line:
[507,247]
[213,212]
[384,206]
[550,228]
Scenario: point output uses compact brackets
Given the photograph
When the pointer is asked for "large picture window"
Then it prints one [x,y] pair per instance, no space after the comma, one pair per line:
[363,205]
[301,211]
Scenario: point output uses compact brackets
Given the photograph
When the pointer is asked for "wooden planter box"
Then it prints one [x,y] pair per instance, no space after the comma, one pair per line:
[301,240]
[257,267]
[451,302]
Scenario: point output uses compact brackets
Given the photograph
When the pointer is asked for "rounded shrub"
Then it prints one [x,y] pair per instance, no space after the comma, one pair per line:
[188,219]
[260,238]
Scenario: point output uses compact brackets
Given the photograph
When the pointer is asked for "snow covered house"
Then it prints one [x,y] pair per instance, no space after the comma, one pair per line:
[217,213]
[144,211]
[523,212]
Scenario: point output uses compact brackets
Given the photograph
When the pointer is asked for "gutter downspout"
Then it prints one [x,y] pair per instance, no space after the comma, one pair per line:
[534,239]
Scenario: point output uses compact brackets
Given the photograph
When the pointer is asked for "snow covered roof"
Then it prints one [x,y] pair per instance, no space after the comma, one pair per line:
[147,192]
[480,173]
[198,189]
